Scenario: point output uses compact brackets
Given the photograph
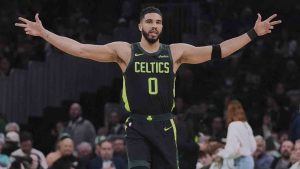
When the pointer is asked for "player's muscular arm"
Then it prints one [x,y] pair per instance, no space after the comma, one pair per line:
[101,53]
[185,53]
[193,55]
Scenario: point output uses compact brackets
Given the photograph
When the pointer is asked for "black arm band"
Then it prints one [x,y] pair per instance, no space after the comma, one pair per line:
[252,34]
[216,52]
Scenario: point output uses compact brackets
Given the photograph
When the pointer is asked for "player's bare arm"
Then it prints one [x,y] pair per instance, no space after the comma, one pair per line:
[185,53]
[110,52]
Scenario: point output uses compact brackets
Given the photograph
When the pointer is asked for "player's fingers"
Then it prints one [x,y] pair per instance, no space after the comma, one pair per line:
[37,19]
[21,25]
[26,29]
[271,17]
[269,31]
[271,27]
[24,20]
[275,22]
[258,17]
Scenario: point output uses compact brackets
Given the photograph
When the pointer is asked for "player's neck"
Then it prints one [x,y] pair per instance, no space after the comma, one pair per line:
[150,47]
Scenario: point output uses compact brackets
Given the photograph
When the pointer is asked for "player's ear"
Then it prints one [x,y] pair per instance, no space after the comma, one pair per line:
[140,27]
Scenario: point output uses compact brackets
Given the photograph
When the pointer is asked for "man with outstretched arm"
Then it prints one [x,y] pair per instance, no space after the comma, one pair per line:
[149,70]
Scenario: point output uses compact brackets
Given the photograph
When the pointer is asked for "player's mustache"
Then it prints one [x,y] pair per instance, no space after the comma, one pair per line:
[153,31]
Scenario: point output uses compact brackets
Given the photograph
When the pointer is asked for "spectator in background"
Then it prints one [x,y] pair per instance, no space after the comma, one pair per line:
[272,145]
[284,162]
[262,159]
[52,137]
[99,140]
[115,127]
[12,126]
[267,126]
[4,160]
[57,129]
[283,136]
[293,157]
[84,150]
[64,157]
[295,127]
[119,147]
[12,140]
[79,128]
[26,149]
[105,158]
[102,131]
[297,154]
[217,128]
[65,146]
[84,153]
[240,143]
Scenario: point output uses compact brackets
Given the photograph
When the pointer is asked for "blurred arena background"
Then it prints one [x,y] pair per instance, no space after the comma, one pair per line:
[38,83]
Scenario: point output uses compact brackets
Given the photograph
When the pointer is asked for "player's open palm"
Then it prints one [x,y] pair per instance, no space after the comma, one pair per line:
[31,28]
[266,26]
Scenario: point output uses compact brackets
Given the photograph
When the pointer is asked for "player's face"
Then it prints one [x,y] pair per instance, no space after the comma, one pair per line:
[151,27]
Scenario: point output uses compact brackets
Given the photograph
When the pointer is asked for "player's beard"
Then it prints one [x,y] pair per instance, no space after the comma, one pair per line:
[149,38]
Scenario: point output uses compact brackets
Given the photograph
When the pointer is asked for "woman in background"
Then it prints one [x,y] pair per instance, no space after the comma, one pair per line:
[240,142]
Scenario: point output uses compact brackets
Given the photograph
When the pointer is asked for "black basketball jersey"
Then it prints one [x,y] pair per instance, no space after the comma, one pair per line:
[149,81]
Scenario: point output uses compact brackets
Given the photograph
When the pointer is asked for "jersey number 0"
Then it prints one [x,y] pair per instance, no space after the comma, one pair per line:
[152,86]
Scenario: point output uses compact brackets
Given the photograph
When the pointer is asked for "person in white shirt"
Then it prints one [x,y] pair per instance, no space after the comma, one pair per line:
[240,142]
[26,149]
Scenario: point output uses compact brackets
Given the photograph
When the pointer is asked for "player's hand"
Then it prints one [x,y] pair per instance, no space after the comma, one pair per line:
[31,28]
[266,26]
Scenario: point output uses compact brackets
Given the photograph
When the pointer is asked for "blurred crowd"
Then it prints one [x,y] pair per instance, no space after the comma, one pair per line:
[74,144]
[264,76]
[78,144]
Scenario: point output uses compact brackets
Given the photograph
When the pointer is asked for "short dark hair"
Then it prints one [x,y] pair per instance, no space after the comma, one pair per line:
[25,136]
[149,9]
[117,137]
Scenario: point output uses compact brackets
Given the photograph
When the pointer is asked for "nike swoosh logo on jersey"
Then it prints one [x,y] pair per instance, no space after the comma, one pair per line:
[138,54]
[166,129]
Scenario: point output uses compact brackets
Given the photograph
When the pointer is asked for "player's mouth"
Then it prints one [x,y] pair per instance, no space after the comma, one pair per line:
[153,33]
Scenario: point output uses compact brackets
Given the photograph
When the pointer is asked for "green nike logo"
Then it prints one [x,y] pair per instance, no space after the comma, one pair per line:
[138,54]
[166,129]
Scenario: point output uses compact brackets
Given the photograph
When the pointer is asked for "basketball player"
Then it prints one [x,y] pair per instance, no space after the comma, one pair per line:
[149,70]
